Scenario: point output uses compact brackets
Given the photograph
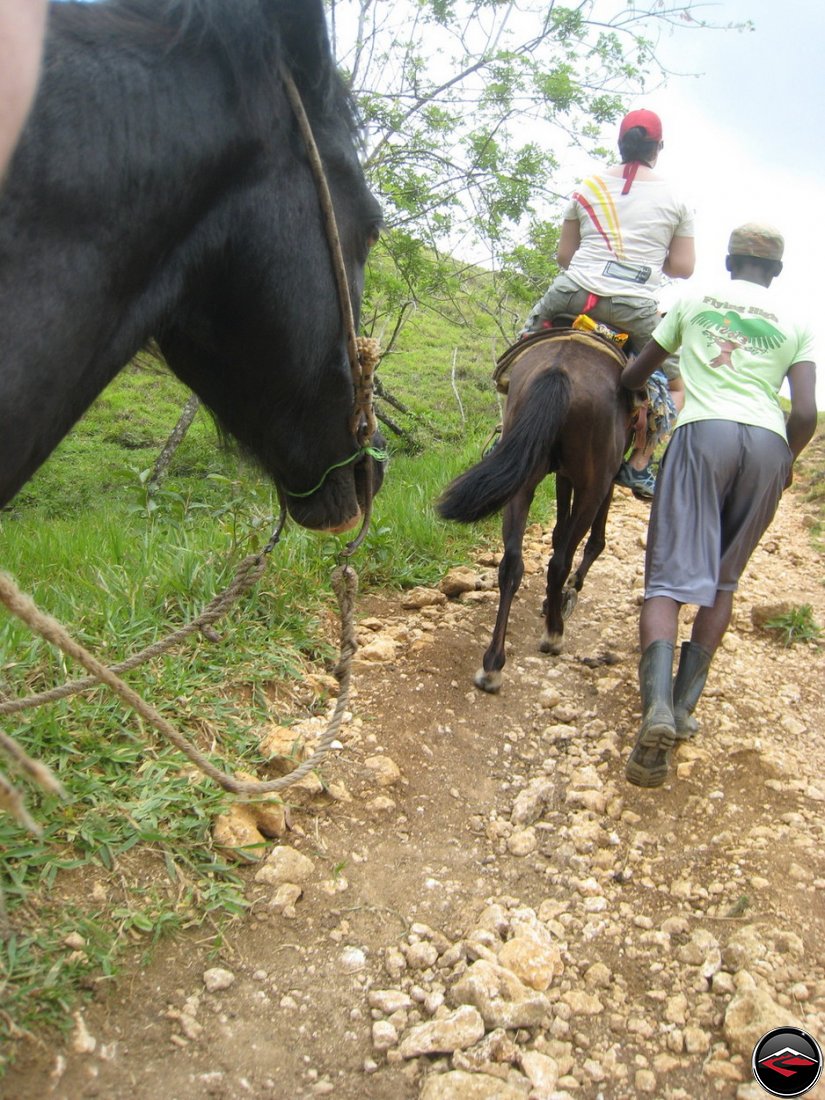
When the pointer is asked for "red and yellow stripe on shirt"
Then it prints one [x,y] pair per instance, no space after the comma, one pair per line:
[595,198]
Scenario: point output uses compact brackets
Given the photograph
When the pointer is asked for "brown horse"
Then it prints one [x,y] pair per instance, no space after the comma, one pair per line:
[567,414]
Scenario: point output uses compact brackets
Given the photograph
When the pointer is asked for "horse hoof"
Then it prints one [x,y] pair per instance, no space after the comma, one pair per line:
[488,681]
[569,599]
[552,644]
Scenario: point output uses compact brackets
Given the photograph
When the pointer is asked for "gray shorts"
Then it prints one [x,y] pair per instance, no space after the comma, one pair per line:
[717,491]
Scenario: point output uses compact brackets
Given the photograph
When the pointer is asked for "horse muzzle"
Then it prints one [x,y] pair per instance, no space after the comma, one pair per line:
[344,497]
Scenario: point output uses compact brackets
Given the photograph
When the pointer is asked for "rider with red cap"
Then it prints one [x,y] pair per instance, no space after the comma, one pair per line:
[623,228]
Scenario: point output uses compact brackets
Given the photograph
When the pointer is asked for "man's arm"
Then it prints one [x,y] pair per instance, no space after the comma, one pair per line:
[22,24]
[638,370]
[801,423]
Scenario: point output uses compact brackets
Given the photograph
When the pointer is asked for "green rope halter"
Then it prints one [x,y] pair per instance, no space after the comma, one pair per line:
[373,452]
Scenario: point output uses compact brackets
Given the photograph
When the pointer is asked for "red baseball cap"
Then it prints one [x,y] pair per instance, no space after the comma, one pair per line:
[648,120]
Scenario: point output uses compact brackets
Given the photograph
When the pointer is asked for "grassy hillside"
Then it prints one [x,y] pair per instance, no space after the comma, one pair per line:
[121,568]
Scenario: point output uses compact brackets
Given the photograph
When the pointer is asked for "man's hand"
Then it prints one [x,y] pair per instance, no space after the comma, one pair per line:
[638,370]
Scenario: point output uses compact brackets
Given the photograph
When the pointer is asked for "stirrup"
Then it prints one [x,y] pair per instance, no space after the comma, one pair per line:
[492,441]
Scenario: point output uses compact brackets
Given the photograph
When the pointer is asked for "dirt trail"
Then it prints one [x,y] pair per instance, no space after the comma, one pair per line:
[654,926]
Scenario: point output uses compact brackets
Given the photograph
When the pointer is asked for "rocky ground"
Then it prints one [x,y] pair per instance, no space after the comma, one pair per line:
[479,905]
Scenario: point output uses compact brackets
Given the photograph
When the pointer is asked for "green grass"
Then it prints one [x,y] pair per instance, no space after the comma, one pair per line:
[440,367]
[119,436]
[796,625]
[119,583]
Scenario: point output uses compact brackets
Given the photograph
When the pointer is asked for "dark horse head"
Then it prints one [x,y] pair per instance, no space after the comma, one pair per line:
[162,189]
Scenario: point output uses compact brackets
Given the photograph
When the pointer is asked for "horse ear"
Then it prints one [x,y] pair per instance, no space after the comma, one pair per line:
[303,30]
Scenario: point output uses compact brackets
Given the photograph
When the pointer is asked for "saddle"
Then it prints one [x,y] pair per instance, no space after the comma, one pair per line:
[505,361]
[653,414]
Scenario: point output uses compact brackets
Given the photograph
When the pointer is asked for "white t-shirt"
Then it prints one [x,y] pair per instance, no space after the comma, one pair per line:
[624,238]
[736,346]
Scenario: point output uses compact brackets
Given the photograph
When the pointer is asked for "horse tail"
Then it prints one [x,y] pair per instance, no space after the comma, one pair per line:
[487,486]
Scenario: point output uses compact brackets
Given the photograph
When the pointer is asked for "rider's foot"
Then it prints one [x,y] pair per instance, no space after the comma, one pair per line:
[641,482]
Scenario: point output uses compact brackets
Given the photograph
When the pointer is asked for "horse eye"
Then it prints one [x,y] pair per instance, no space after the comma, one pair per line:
[374,236]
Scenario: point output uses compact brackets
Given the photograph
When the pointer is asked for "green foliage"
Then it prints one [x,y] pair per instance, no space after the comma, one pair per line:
[469,107]
[447,91]
[440,365]
[796,625]
[528,269]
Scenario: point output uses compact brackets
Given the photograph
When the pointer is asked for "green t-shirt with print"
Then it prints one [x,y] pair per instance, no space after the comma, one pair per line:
[735,350]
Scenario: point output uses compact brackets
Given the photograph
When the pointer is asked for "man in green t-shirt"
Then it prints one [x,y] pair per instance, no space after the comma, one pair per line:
[722,476]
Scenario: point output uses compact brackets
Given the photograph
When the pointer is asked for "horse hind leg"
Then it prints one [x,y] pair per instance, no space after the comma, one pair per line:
[592,549]
[552,642]
[595,543]
[558,570]
[560,601]
[510,573]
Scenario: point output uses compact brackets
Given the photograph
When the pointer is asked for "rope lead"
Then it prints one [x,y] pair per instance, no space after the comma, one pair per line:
[345,586]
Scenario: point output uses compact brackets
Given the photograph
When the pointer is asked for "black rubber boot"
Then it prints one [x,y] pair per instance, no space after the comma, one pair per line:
[649,761]
[694,662]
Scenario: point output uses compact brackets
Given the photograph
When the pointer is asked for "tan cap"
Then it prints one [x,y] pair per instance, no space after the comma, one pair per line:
[756,239]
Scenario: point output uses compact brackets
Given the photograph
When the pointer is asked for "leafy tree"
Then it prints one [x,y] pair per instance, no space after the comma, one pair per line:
[468,105]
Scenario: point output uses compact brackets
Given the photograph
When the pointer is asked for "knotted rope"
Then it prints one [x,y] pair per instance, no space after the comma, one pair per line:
[248,572]
[369,356]
[345,585]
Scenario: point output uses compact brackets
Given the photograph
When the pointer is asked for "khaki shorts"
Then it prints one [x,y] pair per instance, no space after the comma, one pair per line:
[634,315]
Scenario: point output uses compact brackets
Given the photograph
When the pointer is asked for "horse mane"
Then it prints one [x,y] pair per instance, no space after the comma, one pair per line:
[254,38]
